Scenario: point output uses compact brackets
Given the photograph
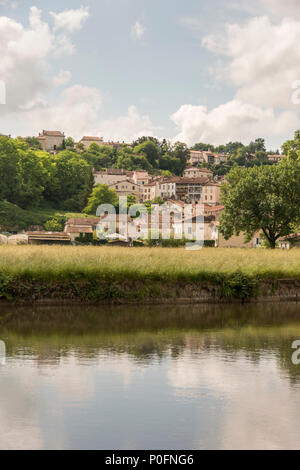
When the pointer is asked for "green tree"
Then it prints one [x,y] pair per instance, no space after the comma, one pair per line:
[151,150]
[101,194]
[9,178]
[30,174]
[262,198]
[54,225]
[257,146]
[201,147]
[70,142]
[32,142]
[291,148]
[130,161]
[239,156]
[72,181]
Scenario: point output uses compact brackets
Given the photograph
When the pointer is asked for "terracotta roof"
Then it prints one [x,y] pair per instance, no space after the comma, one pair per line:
[203,170]
[210,183]
[209,208]
[79,229]
[51,134]
[192,181]
[128,180]
[89,221]
[97,139]
[48,235]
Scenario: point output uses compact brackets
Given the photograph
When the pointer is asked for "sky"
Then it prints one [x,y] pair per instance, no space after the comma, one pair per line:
[209,71]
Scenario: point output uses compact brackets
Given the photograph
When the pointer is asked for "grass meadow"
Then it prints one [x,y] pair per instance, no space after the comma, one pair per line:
[117,263]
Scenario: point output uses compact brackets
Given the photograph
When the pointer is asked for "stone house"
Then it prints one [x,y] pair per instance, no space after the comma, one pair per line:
[167,187]
[274,158]
[127,187]
[150,191]
[195,157]
[86,141]
[76,227]
[211,194]
[110,176]
[196,172]
[190,189]
[141,177]
[51,141]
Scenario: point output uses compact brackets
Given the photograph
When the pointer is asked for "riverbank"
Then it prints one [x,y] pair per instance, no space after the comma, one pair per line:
[43,274]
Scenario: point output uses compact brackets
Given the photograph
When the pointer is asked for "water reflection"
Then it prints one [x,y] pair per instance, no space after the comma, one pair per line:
[132,377]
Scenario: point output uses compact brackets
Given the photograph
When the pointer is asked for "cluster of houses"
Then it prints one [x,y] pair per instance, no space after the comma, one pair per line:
[52,141]
[197,156]
[196,188]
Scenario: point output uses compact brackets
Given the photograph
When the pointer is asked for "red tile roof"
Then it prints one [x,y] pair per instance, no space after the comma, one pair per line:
[52,134]
[97,139]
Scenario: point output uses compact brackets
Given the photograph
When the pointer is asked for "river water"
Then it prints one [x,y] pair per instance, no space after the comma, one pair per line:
[195,377]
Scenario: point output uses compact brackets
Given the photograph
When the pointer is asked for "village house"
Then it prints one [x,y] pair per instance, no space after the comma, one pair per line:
[274,158]
[127,188]
[236,241]
[195,172]
[51,141]
[196,157]
[116,145]
[150,191]
[86,141]
[111,176]
[167,187]
[211,194]
[48,238]
[77,227]
[140,177]
[289,242]
[198,227]
[215,211]
[190,189]
[114,226]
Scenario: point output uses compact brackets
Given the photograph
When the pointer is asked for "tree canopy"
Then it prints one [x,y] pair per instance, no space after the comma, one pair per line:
[101,194]
[265,198]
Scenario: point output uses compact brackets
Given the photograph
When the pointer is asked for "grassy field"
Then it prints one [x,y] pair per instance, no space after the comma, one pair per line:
[13,218]
[53,262]
[113,274]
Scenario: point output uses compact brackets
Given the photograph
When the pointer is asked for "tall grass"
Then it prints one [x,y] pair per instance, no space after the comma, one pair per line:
[59,263]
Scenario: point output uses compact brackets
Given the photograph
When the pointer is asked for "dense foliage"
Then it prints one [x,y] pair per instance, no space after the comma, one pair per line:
[33,178]
[263,198]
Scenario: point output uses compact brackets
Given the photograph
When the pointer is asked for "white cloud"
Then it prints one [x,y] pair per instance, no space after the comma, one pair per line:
[75,112]
[264,59]
[70,20]
[128,127]
[25,53]
[137,31]
[24,67]
[246,407]
[261,60]
[63,77]
[290,8]
[235,120]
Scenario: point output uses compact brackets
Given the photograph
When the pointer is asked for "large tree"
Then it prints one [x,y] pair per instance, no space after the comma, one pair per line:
[151,150]
[101,194]
[265,198]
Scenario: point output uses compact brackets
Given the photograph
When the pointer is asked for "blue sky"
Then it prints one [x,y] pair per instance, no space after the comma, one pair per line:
[199,70]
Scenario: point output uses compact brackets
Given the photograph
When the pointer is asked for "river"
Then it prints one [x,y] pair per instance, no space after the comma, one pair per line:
[194,377]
